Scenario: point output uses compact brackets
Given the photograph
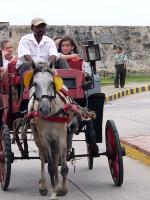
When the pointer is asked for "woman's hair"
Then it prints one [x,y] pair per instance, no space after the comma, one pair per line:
[3,42]
[72,42]
[56,38]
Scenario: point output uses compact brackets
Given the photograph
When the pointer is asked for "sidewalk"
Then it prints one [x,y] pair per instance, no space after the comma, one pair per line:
[113,93]
[137,147]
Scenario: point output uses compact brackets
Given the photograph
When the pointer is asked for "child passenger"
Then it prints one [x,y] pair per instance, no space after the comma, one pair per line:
[6,55]
[68,51]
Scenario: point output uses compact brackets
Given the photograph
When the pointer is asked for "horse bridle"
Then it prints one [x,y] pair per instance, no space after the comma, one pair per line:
[49,97]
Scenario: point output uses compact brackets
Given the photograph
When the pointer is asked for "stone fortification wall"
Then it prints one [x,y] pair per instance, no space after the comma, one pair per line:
[135,41]
[4,30]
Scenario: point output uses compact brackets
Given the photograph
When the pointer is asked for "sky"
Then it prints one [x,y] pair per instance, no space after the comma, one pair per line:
[77,12]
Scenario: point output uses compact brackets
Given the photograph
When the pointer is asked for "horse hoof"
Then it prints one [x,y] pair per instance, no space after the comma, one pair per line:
[43,192]
[61,192]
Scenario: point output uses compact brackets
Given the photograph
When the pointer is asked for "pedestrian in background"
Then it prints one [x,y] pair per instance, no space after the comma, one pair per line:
[120,66]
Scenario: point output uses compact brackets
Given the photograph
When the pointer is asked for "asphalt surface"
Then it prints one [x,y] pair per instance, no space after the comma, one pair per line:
[131,115]
[85,184]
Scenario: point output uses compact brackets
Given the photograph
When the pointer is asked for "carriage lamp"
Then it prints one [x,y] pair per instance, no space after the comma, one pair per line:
[91,52]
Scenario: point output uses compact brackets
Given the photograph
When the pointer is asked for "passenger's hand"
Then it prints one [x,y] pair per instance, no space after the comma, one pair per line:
[5,53]
[13,61]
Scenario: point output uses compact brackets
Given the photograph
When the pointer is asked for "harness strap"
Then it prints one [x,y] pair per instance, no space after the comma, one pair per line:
[55,117]
[50,119]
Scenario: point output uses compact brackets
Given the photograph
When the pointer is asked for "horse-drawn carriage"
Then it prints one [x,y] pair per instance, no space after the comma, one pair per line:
[84,91]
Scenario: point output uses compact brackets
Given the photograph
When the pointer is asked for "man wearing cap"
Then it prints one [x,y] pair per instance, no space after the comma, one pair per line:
[36,46]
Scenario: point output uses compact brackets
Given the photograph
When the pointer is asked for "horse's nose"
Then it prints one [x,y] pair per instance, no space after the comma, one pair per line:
[45,108]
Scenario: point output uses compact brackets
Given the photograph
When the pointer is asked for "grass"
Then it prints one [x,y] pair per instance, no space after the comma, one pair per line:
[129,79]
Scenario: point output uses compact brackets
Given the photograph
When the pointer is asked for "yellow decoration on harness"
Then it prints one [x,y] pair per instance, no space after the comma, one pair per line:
[58,81]
[27,76]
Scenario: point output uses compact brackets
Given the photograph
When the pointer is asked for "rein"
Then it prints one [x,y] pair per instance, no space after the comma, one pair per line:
[56,117]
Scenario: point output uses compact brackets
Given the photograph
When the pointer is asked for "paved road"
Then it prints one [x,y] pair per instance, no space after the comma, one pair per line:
[97,183]
[85,185]
[131,114]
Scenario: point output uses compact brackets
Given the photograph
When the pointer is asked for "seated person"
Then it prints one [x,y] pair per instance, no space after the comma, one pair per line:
[6,55]
[57,41]
[68,48]
[68,51]
[36,47]
[61,63]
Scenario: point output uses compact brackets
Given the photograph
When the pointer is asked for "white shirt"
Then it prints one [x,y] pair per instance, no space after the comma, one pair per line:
[120,59]
[39,52]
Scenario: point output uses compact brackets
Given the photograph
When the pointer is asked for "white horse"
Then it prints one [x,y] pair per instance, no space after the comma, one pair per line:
[50,137]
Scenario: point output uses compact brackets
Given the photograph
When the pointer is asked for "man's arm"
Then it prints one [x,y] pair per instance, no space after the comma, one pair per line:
[52,58]
[53,52]
[28,58]
[23,50]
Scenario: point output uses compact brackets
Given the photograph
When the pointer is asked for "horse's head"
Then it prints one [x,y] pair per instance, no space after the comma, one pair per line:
[44,87]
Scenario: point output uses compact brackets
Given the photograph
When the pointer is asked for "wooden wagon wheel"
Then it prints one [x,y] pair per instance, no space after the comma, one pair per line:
[5,157]
[114,152]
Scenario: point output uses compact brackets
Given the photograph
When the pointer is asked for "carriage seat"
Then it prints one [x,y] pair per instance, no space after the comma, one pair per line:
[73,79]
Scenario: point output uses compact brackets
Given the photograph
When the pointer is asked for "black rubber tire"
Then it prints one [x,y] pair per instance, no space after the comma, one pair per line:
[114,152]
[5,170]
[90,158]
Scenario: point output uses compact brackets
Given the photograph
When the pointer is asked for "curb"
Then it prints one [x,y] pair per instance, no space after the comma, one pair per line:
[136,152]
[132,150]
[127,92]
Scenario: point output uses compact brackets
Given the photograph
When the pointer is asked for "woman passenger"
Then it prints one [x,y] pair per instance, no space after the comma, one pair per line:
[68,51]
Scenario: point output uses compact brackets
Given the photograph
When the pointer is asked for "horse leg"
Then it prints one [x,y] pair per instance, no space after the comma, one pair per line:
[53,160]
[62,191]
[42,182]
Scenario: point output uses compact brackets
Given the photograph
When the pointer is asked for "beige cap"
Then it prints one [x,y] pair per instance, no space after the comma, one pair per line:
[37,21]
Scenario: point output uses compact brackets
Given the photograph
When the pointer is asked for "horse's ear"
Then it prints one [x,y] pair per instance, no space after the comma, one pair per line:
[33,65]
